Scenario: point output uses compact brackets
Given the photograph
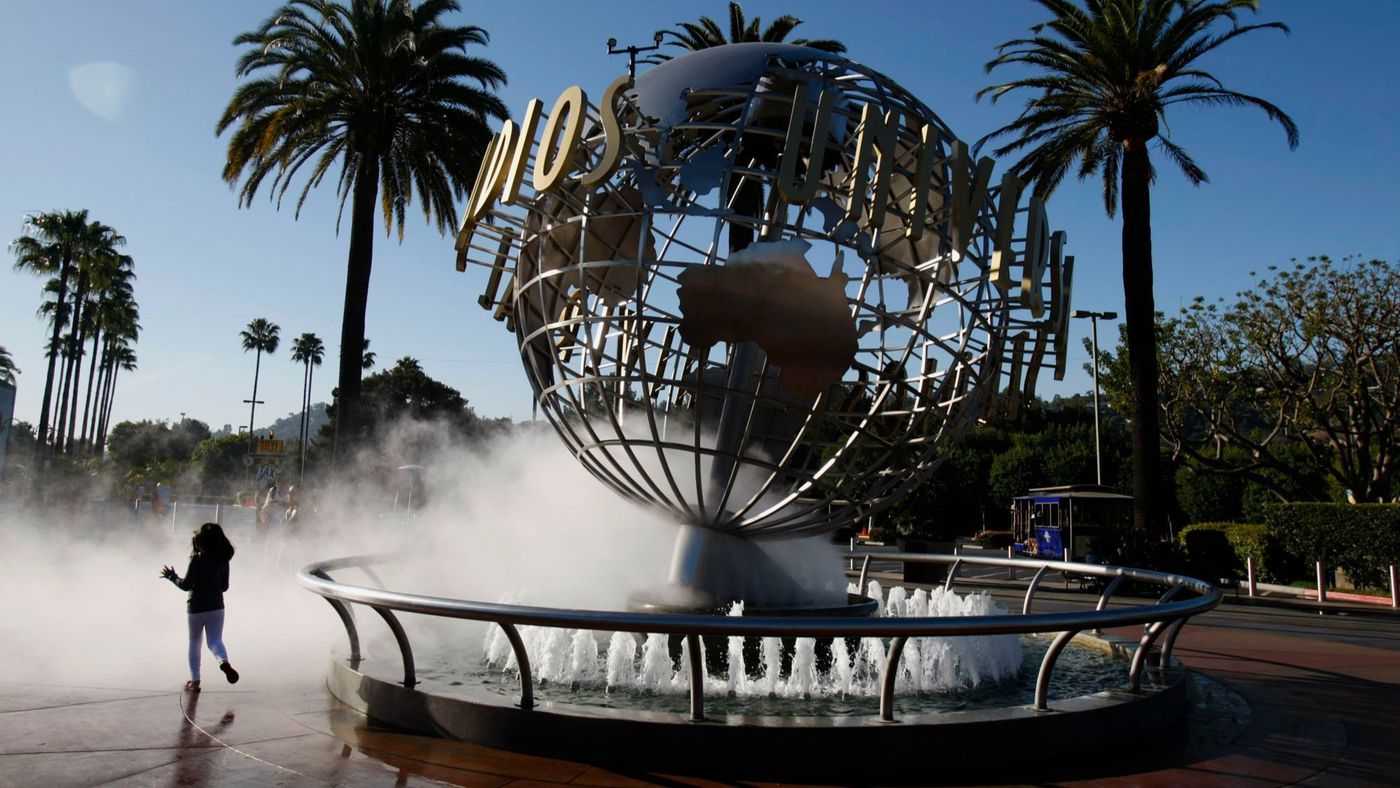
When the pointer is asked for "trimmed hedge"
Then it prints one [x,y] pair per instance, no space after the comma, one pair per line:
[1209,552]
[1223,548]
[1363,539]
[1272,563]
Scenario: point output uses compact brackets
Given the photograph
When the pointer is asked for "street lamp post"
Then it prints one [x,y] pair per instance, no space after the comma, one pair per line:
[1094,322]
[632,53]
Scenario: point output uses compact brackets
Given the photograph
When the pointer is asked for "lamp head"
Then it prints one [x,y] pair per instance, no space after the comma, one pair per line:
[1080,313]
[659,35]
[612,42]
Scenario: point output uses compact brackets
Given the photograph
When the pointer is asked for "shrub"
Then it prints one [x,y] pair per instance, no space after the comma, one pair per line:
[1209,552]
[1362,539]
[1272,564]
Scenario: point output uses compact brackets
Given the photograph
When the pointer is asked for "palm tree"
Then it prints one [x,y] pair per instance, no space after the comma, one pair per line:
[120,323]
[96,272]
[121,358]
[744,195]
[113,309]
[262,336]
[53,243]
[309,350]
[367,358]
[385,91]
[707,33]
[101,258]
[8,370]
[1103,77]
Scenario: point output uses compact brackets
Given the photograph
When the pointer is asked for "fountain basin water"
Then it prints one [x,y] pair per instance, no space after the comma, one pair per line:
[938,735]
[748,738]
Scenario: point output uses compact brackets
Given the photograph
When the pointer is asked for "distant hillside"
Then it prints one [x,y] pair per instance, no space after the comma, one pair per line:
[288,426]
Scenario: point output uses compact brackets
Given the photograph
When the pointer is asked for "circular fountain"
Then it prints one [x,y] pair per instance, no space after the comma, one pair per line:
[761,292]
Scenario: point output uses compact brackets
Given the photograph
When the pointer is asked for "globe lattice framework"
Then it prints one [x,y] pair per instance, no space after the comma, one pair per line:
[746,363]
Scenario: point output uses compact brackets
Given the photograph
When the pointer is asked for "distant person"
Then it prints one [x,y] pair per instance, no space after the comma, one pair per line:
[293,505]
[273,508]
[206,580]
[165,493]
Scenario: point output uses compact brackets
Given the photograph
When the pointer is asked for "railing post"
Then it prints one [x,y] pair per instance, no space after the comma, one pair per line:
[887,681]
[1394,590]
[1107,593]
[1165,657]
[346,617]
[1047,666]
[1030,589]
[1321,584]
[1010,555]
[697,679]
[1249,568]
[1140,656]
[851,562]
[522,661]
[952,573]
[864,574]
[410,678]
[219,513]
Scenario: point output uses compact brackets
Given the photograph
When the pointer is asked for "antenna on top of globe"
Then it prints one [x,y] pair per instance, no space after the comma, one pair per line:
[632,53]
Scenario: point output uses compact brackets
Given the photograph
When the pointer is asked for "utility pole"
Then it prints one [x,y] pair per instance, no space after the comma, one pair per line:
[1094,320]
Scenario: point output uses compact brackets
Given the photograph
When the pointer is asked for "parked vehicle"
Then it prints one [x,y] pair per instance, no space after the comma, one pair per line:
[1089,521]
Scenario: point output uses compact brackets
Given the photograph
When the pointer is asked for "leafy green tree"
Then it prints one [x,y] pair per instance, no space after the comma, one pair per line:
[1103,76]
[1294,389]
[407,412]
[261,336]
[139,444]
[384,91]
[216,464]
[308,350]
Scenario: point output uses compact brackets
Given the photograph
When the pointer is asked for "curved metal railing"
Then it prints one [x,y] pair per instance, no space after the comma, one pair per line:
[1164,616]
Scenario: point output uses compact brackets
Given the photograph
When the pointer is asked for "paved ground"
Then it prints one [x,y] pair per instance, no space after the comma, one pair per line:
[1323,695]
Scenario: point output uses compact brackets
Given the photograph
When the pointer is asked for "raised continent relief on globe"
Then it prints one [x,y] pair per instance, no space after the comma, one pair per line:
[768,294]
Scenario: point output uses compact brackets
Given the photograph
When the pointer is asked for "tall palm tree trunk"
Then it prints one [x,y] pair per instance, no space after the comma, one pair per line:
[61,402]
[352,327]
[75,361]
[63,272]
[306,431]
[1140,317]
[301,432]
[87,399]
[111,398]
[100,421]
[108,390]
[253,405]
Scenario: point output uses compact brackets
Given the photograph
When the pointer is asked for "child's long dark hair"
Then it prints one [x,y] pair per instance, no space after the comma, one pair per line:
[210,542]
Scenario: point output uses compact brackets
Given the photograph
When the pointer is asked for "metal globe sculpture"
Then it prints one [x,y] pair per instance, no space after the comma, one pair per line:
[763,289]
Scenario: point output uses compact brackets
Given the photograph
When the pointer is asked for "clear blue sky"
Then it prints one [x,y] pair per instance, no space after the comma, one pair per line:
[134,143]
